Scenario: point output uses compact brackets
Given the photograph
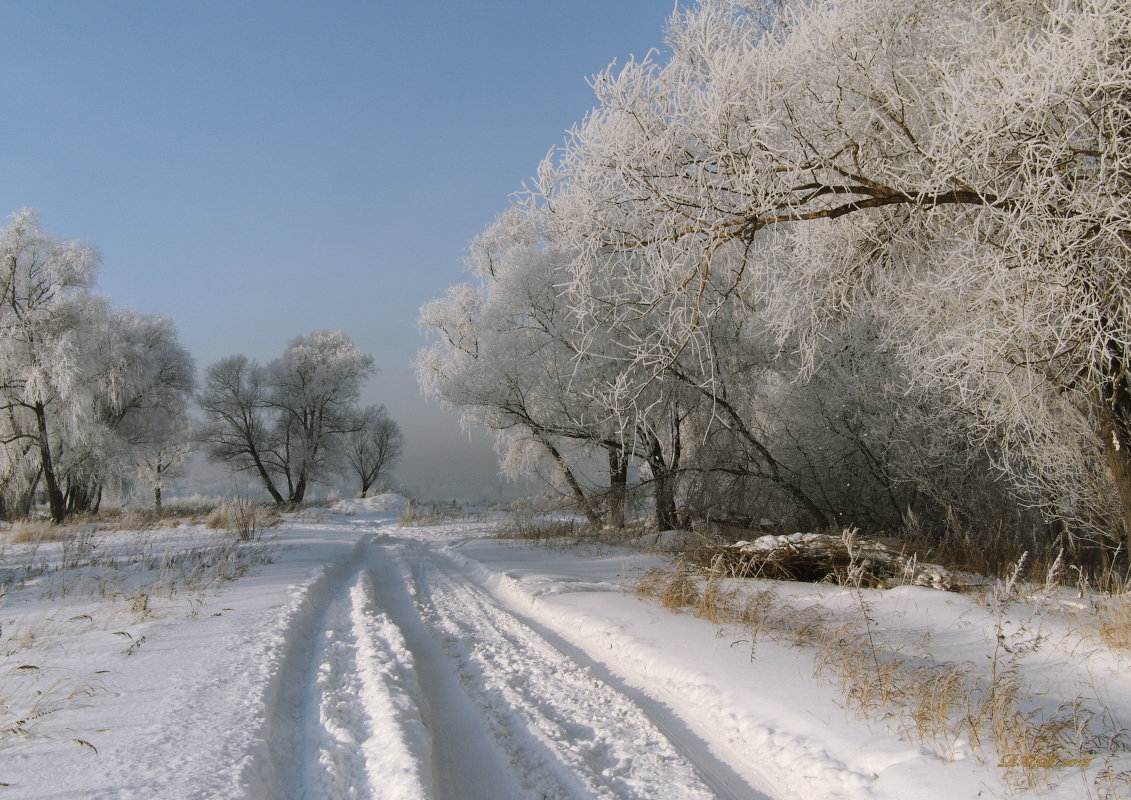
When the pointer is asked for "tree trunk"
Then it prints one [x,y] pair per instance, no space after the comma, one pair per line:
[582,501]
[80,498]
[1115,428]
[266,478]
[663,479]
[664,494]
[25,501]
[668,486]
[55,500]
[618,486]
[298,489]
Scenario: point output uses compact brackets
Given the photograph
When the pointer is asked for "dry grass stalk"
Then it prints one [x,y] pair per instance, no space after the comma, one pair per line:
[30,698]
[417,515]
[675,588]
[936,704]
[138,579]
[1113,618]
[243,517]
[36,532]
[524,524]
[937,692]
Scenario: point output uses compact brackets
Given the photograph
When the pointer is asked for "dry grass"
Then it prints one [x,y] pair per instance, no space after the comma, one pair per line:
[718,602]
[30,699]
[244,518]
[525,523]
[35,532]
[1113,621]
[225,514]
[937,694]
[131,579]
[125,518]
[418,515]
[171,514]
[937,705]
[675,589]
[33,693]
[843,558]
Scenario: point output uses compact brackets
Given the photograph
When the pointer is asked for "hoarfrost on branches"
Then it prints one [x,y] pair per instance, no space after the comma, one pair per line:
[285,421]
[957,176]
[963,167]
[84,385]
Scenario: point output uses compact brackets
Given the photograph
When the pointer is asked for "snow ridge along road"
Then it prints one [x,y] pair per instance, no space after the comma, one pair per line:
[402,678]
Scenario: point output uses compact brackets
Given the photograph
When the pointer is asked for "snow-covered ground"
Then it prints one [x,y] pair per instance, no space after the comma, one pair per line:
[343,656]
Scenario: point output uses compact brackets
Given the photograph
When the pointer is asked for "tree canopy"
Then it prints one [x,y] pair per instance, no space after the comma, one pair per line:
[899,204]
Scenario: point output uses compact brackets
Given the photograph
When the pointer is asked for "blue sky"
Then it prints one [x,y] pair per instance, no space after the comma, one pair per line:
[258,170]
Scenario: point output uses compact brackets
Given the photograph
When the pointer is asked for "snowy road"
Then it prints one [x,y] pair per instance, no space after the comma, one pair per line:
[351,658]
[410,680]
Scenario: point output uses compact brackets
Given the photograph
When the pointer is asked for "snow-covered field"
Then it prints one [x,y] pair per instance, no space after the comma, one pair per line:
[343,656]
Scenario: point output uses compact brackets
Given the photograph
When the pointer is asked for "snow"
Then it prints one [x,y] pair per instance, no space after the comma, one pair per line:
[386,501]
[343,656]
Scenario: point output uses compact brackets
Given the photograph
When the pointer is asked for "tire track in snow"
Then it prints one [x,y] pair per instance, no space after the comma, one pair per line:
[341,713]
[396,761]
[724,781]
[399,677]
[738,752]
[464,763]
[342,727]
[278,768]
[369,738]
[567,733]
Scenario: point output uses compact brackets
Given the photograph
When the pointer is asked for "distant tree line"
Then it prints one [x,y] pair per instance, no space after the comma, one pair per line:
[94,397]
[845,262]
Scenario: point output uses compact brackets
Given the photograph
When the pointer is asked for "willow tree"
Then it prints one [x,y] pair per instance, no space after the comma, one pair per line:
[83,385]
[964,167]
[371,447]
[284,421]
[43,285]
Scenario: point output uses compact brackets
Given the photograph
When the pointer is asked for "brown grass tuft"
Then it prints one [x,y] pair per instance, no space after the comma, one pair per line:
[1114,620]
[935,704]
[36,532]
[243,517]
[675,588]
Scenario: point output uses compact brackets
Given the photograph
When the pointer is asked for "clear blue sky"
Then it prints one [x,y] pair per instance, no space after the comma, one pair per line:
[258,170]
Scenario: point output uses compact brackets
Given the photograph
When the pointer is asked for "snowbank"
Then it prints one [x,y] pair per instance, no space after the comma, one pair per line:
[386,501]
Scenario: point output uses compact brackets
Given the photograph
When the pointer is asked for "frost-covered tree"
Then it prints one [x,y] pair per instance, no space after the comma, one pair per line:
[141,380]
[149,380]
[284,421]
[43,286]
[371,447]
[497,372]
[963,166]
[83,383]
[237,427]
[507,355]
[313,388]
[163,458]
